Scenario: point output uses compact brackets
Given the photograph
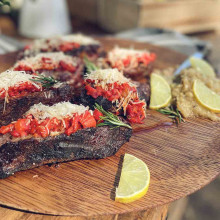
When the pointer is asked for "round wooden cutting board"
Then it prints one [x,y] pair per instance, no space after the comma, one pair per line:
[181,160]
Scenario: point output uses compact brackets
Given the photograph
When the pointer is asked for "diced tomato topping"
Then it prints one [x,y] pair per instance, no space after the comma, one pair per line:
[67,46]
[15,133]
[92,91]
[136,112]
[6,129]
[23,67]
[147,58]
[75,126]
[127,61]
[97,114]
[42,131]
[43,128]
[67,66]
[113,93]
[20,90]
[87,120]
[22,126]
[54,124]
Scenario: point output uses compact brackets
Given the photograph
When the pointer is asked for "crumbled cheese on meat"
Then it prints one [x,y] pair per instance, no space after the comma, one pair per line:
[79,38]
[59,110]
[15,78]
[54,43]
[55,58]
[122,53]
[106,76]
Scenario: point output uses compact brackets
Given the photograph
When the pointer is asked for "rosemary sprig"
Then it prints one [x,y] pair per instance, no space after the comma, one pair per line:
[173,113]
[89,65]
[45,81]
[110,119]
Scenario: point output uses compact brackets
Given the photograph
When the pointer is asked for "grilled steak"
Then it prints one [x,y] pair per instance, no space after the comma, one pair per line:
[90,143]
[58,65]
[16,107]
[74,45]
[135,64]
[87,100]
[140,72]
[88,50]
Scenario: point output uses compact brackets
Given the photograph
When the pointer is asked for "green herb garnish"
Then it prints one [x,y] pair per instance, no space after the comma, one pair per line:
[89,65]
[173,113]
[110,119]
[45,81]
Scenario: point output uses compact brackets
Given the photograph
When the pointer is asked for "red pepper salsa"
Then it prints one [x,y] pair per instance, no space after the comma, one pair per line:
[46,64]
[20,90]
[67,46]
[146,58]
[135,108]
[43,128]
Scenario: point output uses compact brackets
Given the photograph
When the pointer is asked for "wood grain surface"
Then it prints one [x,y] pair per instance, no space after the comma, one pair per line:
[181,160]
[158,213]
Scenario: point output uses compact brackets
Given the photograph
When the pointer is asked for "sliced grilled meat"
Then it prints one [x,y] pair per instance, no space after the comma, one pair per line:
[140,72]
[144,91]
[17,106]
[87,100]
[90,143]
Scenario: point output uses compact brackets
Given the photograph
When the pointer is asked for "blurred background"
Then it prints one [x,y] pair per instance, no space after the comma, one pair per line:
[182,25]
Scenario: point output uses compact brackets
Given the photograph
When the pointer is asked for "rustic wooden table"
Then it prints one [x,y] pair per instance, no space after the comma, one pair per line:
[151,214]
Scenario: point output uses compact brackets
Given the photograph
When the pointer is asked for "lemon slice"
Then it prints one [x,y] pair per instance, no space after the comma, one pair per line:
[160,92]
[202,66]
[206,97]
[134,180]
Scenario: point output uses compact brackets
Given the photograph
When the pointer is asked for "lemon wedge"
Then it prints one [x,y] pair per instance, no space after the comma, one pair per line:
[134,180]
[202,66]
[206,97]
[160,92]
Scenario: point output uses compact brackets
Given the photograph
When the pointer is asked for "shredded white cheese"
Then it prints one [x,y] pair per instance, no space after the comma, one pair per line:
[106,76]
[15,78]
[79,38]
[59,110]
[119,54]
[36,62]
[54,43]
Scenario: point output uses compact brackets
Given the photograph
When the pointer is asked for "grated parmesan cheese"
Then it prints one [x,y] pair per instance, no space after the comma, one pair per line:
[79,38]
[14,78]
[106,76]
[54,43]
[37,63]
[122,53]
[59,110]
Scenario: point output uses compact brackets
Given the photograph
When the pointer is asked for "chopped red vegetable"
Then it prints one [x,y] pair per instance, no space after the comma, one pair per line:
[46,127]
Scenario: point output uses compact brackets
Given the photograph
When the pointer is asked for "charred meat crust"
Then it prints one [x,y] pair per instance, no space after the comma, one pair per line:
[90,143]
[144,91]
[140,72]
[74,79]
[89,50]
[16,107]
[87,100]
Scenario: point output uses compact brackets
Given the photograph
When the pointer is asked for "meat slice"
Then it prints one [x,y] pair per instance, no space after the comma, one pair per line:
[57,65]
[17,106]
[143,90]
[90,143]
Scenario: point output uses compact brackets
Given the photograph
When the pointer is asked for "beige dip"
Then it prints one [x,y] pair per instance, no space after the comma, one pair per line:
[183,95]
